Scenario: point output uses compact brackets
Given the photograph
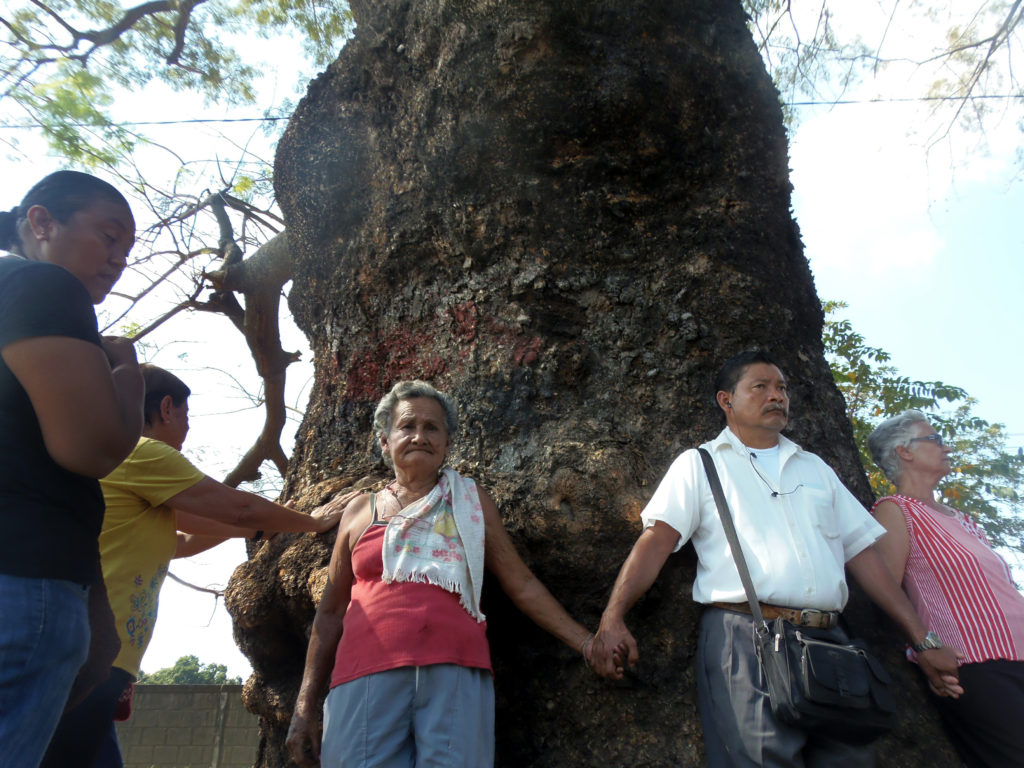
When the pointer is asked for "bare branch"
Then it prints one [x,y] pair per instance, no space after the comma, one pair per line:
[24,41]
[166,316]
[75,34]
[250,210]
[218,593]
[965,92]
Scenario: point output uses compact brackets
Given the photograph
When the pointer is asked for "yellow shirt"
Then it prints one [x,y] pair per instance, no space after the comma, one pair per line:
[138,539]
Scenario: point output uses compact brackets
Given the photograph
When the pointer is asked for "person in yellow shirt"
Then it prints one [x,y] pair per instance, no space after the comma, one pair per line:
[159,507]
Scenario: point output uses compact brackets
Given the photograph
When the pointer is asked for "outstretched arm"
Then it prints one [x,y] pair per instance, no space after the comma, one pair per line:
[238,509]
[522,586]
[940,664]
[614,644]
[197,533]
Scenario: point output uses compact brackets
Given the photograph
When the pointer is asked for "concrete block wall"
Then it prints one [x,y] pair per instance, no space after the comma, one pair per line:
[189,726]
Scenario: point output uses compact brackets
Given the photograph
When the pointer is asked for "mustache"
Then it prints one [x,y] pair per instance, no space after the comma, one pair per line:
[775,407]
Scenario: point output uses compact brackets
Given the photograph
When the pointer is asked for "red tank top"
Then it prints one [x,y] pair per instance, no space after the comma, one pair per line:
[405,624]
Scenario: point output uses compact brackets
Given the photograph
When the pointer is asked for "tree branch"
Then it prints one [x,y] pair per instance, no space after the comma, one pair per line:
[190,302]
[101,37]
[180,26]
[259,279]
[75,34]
[218,593]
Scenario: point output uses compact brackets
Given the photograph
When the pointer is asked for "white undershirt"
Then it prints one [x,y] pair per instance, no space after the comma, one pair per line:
[768,458]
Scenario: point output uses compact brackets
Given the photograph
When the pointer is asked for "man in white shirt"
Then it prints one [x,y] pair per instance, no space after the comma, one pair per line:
[797,525]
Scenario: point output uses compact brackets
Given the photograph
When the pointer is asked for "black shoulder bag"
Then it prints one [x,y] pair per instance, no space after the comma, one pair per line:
[815,684]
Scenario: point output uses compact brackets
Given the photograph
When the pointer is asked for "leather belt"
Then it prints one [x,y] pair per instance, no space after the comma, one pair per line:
[800,617]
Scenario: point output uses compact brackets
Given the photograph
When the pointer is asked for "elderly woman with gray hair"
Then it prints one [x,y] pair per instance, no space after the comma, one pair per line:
[399,630]
[960,587]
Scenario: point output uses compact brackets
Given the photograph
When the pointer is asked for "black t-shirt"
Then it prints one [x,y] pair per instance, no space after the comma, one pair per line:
[50,518]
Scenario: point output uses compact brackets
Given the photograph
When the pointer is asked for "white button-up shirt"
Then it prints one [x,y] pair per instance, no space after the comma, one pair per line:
[795,543]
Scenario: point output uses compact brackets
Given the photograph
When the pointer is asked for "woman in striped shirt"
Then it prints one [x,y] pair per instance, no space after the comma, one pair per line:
[960,587]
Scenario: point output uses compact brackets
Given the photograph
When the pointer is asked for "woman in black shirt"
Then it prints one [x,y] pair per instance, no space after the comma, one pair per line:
[70,411]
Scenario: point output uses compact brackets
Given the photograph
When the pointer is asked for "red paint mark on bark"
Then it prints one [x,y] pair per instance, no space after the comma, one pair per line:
[465,321]
[526,352]
[389,357]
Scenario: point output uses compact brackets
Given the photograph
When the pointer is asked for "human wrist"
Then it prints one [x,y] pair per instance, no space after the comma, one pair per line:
[613,616]
[302,710]
[585,645]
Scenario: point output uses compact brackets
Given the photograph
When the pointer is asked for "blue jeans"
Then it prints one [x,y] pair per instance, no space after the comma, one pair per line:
[44,639]
[438,716]
[85,735]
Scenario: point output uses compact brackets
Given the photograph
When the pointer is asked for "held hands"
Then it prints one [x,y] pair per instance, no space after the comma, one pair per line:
[940,666]
[303,740]
[612,648]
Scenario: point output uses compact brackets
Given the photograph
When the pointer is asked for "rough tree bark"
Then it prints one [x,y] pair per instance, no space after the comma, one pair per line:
[566,214]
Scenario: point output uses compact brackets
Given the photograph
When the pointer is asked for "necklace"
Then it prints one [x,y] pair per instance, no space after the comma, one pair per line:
[398,498]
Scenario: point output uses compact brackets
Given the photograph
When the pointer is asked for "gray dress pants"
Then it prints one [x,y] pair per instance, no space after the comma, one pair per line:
[739,729]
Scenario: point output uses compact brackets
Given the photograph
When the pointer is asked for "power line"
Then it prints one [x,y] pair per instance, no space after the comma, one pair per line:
[221,120]
[992,96]
[153,122]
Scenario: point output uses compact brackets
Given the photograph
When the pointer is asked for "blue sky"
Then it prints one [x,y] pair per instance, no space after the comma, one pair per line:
[926,249]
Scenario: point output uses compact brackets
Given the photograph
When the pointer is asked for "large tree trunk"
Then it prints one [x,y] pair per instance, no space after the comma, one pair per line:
[567,215]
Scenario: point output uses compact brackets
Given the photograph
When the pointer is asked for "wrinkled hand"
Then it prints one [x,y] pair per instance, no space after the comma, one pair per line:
[120,351]
[330,513]
[303,740]
[940,667]
[612,649]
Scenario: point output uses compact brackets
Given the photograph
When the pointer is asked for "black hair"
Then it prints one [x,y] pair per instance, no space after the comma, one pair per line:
[9,240]
[159,384]
[63,194]
[731,373]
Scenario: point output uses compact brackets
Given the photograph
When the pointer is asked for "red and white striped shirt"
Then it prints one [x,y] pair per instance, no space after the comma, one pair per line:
[960,587]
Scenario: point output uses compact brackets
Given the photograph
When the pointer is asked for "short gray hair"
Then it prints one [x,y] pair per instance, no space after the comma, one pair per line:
[890,435]
[407,390]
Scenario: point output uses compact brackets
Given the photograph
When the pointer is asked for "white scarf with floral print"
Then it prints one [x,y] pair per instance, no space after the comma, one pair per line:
[439,540]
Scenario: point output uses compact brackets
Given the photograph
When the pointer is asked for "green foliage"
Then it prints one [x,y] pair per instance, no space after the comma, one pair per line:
[189,671]
[62,61]
[987,480]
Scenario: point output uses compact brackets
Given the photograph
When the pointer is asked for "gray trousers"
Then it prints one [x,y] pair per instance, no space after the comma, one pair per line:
[739,729]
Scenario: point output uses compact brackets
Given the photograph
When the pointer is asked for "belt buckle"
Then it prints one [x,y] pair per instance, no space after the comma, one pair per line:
[812,617]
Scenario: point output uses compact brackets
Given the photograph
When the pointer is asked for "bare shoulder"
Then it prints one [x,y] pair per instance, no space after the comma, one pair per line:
[889,515]
[481,491]
[355,518]
[488,505]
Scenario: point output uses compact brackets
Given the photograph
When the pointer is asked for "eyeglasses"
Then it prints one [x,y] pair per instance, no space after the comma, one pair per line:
[937,439]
